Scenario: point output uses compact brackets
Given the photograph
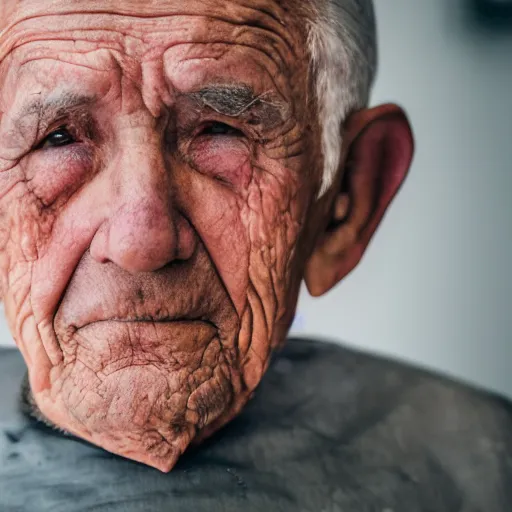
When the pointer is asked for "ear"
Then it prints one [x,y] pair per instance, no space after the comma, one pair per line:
[379,145]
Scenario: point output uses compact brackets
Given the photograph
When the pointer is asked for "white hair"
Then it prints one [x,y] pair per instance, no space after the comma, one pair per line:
[342,43]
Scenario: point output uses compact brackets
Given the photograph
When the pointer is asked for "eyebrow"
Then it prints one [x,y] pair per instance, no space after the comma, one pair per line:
[54,106]
[33,118]
[241,100]
[237,101]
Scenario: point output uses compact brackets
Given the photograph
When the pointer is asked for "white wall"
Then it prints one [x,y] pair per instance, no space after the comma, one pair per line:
[435,286]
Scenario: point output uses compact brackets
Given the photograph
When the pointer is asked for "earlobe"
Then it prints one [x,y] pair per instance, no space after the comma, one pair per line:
[379,151]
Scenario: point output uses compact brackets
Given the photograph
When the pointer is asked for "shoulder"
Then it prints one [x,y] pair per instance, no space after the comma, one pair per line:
[437,432]
[395,392]
[352,375]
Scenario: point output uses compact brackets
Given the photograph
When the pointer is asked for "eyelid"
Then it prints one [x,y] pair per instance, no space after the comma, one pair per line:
[208,125]
[46,127]
[244,130]
[55,127]
[79,122]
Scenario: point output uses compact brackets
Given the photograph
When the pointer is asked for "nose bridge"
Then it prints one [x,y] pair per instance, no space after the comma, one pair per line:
[140,172]
[144,231]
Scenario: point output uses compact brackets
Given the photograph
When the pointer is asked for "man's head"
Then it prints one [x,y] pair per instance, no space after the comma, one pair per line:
[170,172]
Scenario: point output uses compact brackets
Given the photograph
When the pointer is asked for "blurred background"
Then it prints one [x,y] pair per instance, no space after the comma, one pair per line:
[435,286]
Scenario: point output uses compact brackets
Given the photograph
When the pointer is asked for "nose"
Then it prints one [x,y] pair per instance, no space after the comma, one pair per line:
[143,230]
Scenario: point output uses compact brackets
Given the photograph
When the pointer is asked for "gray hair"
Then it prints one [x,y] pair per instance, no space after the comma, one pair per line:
[342,43]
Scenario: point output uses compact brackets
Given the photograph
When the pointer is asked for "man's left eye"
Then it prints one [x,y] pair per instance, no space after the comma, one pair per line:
[58,138]
[217,128]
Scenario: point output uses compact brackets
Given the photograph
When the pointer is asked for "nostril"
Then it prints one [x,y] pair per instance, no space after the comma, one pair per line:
[98,246]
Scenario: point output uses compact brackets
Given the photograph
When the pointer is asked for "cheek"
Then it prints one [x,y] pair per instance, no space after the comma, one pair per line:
[275,220]
[32,195]
[272,233]
[25,227]
[57,173]
[215,212]
[225,159]
[21,229]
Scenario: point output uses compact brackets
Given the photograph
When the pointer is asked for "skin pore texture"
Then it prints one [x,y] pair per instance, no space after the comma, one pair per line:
[159,169]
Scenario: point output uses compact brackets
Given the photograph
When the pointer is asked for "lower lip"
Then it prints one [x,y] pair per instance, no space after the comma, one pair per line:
[174,336]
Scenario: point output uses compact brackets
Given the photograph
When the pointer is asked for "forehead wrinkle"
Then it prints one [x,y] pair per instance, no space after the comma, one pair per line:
[256,16]
[128,6]
[148,38]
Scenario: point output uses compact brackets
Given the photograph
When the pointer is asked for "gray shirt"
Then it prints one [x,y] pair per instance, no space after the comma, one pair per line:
[329,430]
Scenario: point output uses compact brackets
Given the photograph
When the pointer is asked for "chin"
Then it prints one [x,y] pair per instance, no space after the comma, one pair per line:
[145,390]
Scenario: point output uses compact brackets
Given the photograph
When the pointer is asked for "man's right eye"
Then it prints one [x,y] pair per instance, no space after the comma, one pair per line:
[58,138]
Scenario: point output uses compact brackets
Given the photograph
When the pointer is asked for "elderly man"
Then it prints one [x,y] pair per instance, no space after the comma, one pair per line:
[170,172]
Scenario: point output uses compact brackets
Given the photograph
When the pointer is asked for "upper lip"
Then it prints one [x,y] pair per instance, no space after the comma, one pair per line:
[173,294]
[145,318]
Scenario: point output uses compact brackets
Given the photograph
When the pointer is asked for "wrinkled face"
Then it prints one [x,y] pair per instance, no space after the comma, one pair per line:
[156,167]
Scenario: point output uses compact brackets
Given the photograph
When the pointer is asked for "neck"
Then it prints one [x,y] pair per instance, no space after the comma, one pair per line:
[30,408]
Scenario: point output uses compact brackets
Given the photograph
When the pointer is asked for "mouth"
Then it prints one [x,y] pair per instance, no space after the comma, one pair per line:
[148,327]
[105,315]
[151,319]
[113,344]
